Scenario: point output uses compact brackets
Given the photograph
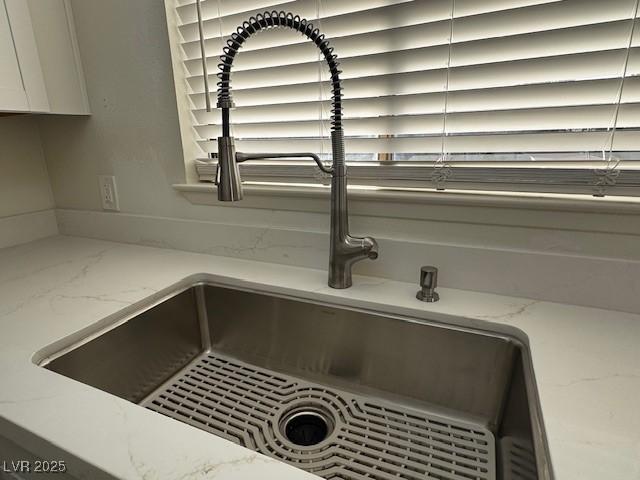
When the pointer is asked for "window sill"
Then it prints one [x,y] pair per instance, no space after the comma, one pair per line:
[315,197]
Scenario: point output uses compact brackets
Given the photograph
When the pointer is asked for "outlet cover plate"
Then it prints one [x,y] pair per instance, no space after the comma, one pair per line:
[109,193]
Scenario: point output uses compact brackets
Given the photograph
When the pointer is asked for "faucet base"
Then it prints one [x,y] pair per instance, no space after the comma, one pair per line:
[340,285]
[430,298]
[339,277]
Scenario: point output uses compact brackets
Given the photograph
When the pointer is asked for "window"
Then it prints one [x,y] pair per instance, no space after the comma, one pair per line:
[498,95]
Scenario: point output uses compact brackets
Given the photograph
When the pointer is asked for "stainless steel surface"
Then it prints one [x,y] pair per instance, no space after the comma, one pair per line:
[345,250]
[131,361]
[518,461]
[243,157]
[228,175]
[428,284]
[386,377]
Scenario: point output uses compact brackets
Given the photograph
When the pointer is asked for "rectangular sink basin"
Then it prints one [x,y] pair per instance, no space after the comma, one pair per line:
[339,392]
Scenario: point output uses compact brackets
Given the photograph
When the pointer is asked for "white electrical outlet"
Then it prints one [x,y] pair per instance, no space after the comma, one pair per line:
[108,192]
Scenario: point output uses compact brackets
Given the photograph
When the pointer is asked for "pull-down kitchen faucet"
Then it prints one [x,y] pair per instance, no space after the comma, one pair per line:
[345,250]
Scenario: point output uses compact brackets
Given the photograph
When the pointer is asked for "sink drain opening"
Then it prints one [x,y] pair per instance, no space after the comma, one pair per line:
[306,426]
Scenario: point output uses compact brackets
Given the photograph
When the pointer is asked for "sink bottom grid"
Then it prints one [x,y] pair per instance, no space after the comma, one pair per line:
[336,434]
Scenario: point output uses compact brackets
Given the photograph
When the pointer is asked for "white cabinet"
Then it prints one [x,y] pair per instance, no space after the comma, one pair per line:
[12,92]
[40,68]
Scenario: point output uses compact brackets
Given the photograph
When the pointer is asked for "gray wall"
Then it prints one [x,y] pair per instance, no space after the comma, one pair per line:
[24,182]
[133,130]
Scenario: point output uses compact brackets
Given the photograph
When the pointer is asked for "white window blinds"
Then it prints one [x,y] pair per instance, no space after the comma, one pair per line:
[511,95]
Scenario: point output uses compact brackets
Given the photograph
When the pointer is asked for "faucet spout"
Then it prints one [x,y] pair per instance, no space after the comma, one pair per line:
[345,250]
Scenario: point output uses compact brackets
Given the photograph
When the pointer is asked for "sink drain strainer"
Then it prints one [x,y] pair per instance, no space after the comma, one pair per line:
[328,432]
[306,426]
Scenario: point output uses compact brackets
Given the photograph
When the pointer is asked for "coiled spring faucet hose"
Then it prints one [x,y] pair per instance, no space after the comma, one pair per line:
[264,21]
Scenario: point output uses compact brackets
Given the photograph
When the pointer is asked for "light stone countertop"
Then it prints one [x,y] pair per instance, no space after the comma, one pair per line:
[586,361]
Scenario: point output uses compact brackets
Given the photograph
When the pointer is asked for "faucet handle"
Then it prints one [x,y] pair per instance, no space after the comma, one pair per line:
[428,284]
[370,247]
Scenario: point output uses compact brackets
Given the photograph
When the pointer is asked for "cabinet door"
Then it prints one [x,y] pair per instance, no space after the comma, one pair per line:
[24,42]
[12,93]
[54,31]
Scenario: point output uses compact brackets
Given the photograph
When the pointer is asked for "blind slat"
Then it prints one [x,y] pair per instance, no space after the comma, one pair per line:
[526,142]
[241,9]
[512,21]
[377,18]
[589,38]
[584,66]
[214,9]
[581,118]
[524,96]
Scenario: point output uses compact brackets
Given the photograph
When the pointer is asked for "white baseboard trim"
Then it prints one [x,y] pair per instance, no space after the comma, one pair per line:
[607,283]
[27,227]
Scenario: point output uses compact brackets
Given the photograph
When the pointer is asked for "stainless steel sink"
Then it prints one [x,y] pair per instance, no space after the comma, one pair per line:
[340,392]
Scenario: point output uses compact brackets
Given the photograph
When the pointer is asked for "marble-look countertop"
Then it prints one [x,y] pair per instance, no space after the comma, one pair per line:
[586,361]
